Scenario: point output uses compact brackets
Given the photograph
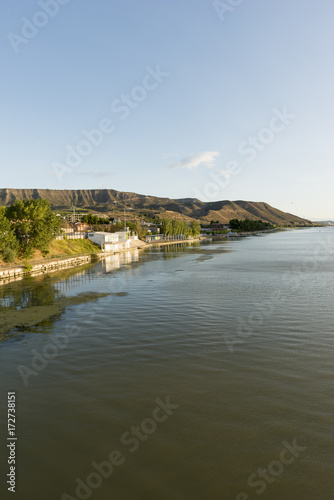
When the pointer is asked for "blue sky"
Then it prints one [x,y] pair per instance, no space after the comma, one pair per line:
[233,101]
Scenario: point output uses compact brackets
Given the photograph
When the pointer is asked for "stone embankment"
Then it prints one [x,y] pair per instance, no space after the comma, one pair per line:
[15,273]
[19,272]
[170,242]
[8,274]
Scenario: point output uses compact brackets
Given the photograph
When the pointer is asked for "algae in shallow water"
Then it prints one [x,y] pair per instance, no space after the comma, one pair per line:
[30,316]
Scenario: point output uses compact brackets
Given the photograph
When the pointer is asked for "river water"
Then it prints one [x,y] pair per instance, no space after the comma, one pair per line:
[207,373]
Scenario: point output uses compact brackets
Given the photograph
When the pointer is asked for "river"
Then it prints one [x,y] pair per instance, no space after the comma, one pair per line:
[205,373]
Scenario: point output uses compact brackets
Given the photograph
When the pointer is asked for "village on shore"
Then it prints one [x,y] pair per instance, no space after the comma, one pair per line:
[35,239]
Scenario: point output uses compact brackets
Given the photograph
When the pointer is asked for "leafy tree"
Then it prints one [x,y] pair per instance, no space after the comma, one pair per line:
[180,228]
[139,229]
[91,219]
[234,224]
[94,219]
[176,227]
[248,225]
[166,227]
[195,228]
[9,254]
[117,227]
[8,242]
[34,225]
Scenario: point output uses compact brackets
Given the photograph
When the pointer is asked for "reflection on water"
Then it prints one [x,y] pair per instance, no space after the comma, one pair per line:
[32,301]
[168,249]
[161,331]
[28,293]
[46,289]
[113,262]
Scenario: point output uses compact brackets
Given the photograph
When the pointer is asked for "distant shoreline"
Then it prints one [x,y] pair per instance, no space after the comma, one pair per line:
[9,274]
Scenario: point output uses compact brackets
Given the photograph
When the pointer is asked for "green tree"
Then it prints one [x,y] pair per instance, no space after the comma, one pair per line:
[195,228]
[176,227]
[92,219]
[166,227]
[139,229]
[248,225]
[8,241]
[34,225]
[179,228]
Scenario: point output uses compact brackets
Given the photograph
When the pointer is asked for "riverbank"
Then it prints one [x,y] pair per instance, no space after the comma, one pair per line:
[57,249]
[224,236]
[170,242]
[16,272]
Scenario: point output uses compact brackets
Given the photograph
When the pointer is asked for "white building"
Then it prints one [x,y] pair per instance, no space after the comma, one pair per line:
[110,242]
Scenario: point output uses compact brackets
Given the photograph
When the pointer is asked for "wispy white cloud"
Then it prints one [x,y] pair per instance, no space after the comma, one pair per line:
[206,159]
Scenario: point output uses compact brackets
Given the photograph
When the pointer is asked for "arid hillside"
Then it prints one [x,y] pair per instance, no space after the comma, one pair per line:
[109,200]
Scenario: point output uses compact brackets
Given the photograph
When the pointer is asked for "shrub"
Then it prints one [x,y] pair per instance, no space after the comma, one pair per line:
[9,254]
[27,266]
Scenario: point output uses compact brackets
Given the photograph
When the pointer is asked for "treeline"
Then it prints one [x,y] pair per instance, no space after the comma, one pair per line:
[108,228]
[26,226]
[94,219]
[248,225]
[180,228]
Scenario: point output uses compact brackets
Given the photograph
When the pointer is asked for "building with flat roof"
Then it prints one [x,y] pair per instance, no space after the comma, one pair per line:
[110,242]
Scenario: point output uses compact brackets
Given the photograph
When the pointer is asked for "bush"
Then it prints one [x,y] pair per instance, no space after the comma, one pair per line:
[9,254]
[27,266]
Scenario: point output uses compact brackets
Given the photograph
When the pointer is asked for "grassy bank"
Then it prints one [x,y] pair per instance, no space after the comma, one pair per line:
[59,248]
[72,247]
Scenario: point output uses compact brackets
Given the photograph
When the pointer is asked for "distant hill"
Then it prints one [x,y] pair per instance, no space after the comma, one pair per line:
[109,200]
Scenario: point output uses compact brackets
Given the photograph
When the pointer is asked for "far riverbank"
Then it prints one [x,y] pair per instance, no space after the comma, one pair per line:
[16,272]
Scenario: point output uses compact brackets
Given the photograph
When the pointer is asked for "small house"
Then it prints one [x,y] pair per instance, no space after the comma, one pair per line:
[110,242]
